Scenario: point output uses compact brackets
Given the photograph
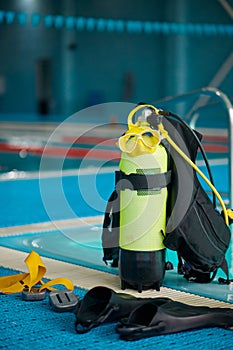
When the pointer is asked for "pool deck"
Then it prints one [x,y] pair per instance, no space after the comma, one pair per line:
[88,278]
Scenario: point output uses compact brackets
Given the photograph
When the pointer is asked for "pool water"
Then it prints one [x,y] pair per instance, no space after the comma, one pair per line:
[31,163]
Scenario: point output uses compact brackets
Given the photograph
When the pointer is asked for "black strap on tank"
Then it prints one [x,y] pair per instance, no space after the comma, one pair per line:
[142,181]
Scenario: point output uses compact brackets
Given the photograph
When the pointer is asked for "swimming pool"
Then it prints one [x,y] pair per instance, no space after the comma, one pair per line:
[71,186]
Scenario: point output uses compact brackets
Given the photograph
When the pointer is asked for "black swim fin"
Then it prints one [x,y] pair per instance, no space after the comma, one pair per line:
[150,320]
[102,304]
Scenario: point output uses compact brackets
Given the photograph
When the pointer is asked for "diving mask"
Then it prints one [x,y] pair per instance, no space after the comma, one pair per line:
[138,141]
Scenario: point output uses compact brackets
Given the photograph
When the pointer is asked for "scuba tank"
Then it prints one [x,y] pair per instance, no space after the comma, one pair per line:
[136,228]
[142,186]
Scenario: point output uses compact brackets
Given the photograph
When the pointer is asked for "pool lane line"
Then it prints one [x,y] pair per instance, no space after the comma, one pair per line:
[24,175]
[27,175]
[61,151]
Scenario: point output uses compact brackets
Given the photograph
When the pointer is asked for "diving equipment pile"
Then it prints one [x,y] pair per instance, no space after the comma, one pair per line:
[159,202]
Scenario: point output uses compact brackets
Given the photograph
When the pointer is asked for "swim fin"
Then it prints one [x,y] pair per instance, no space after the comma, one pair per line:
[150,320]
[102,304]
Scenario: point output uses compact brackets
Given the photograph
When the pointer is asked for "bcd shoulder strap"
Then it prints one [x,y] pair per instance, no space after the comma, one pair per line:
[110,233]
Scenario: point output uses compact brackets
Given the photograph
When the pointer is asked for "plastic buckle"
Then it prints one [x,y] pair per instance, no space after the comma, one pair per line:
[63,300]
[34,294]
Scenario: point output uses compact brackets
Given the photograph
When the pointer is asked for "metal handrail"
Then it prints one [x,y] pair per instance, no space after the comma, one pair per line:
[211,91]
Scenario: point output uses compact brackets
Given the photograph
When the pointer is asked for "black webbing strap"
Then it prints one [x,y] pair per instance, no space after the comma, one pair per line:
[141,181]
[110,232]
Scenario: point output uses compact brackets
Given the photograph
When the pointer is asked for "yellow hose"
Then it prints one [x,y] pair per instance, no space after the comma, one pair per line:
[189,161]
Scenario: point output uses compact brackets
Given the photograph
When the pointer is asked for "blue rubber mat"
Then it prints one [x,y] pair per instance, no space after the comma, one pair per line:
[34,324]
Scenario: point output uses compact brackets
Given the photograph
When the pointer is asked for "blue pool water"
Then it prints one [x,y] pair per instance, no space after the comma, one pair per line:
[31,162]
[37,200]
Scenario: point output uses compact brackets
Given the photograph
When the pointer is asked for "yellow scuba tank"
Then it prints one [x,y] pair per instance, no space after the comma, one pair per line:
[142,183]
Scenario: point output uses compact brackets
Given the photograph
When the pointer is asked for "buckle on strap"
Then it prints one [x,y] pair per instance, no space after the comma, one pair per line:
[34,294]
[63,300]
